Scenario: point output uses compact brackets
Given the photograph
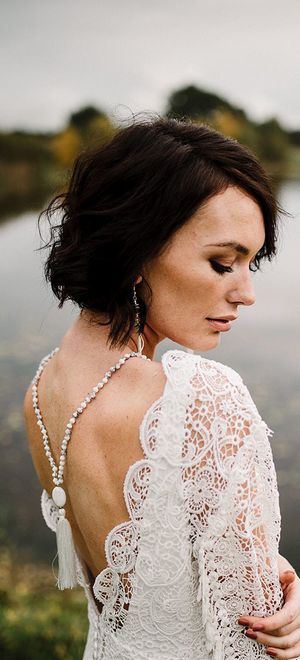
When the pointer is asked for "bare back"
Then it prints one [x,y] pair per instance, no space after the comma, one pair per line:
[104,440]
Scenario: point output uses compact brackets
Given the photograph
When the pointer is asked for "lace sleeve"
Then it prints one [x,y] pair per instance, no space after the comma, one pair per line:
[231,498]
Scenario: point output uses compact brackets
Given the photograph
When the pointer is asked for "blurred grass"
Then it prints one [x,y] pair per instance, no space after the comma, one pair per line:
[36,620]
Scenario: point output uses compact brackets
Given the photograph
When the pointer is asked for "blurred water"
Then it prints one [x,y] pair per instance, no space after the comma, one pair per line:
[263,346]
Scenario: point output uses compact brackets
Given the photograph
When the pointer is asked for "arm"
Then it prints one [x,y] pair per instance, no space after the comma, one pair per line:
[280,632]
[284,565]
[231,497]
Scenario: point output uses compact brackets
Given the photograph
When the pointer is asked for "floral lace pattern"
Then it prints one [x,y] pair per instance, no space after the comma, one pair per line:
[200,547]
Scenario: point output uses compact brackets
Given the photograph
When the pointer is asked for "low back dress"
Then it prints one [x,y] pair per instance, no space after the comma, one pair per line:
[200,545]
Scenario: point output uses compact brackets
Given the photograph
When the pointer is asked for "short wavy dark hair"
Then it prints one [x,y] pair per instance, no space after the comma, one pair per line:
[125,200]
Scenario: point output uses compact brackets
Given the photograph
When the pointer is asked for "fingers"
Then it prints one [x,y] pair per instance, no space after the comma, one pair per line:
[287,630]
[290,583]
[292,654]
[286,616]
[285,647]
[280,633]
[287,578]
[286,574]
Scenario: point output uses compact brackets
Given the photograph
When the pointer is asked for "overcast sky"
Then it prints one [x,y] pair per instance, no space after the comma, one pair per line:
[129,55]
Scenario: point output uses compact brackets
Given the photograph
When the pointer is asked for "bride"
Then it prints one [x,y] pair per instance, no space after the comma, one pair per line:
[158,478]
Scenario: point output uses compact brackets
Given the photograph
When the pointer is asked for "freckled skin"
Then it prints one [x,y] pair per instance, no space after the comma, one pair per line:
[186,289]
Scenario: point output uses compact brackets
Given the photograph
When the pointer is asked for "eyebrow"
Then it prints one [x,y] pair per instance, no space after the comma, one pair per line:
[232,244]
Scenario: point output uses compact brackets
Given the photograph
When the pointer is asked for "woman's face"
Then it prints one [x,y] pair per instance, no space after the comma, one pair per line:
[195,279]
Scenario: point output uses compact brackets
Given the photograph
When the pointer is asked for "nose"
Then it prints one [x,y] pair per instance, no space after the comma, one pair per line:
[243,293]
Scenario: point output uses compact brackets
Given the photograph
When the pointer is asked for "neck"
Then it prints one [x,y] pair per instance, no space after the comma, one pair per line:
[88,322]
[151,340]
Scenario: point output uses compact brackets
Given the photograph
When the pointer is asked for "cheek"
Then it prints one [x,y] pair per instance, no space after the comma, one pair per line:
[181,286]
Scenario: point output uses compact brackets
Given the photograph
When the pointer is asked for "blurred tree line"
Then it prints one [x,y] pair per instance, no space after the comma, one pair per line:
[271,143]
[34,166]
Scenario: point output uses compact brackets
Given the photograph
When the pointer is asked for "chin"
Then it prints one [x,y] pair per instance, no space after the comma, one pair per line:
[204,344]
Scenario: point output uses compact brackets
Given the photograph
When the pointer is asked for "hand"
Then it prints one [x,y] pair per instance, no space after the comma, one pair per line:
[281,631]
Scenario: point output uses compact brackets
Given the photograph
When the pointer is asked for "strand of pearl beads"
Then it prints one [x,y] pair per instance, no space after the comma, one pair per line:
[58,493]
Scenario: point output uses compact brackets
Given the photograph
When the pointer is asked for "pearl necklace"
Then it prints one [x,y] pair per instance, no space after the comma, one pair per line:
[67,571]
[58,471]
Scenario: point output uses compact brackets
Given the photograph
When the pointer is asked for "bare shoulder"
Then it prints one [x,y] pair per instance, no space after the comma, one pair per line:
[144,373]
[27,406]
[135,387]
[116,413]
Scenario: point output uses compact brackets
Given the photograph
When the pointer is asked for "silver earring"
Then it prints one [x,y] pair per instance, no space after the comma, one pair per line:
[137,323]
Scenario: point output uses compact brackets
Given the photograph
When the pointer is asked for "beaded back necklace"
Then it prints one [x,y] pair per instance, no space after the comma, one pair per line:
[65,547]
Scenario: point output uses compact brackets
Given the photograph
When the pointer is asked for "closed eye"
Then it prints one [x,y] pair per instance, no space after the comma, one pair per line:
[219,268]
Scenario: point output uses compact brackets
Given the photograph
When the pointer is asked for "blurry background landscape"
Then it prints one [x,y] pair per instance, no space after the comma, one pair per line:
[74,72]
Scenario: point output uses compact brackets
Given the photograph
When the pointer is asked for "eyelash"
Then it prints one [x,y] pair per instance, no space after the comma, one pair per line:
[227,269]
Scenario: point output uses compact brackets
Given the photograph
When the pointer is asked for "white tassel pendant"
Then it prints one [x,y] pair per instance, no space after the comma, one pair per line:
[141,343]
[67,577]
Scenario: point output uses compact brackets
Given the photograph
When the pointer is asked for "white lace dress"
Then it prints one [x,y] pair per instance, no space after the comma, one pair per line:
[200,546]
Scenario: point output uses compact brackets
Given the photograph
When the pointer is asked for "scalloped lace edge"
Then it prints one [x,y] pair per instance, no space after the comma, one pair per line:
[142,440]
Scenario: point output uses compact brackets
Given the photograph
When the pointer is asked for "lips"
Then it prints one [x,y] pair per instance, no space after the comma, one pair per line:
[221,325]
[222,318]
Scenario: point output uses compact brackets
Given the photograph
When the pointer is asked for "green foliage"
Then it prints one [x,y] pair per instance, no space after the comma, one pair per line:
[294,138]
[33,166]
[36,620]
[193,102]
[93,129]
[21,146]
[27,171]
[272,141]
[83,117]
[294,163]
[269,141]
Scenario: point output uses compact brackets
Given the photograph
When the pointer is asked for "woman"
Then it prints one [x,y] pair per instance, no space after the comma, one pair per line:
[170,489]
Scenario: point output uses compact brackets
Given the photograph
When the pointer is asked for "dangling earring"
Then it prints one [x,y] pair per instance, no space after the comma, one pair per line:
[137,323]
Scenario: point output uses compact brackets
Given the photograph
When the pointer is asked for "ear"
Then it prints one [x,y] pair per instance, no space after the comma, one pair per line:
[139,279]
